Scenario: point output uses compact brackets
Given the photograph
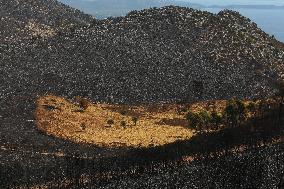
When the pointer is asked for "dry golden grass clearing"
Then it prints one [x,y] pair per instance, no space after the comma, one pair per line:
[157,124]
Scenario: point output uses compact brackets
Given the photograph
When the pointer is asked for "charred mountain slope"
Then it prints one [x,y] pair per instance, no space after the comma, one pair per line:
[165,54]
[24,18]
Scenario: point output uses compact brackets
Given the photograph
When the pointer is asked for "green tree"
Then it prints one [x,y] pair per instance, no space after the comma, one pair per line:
[193,119]
[205,118]
[231,112]
[216,119]
[235,111]
[241,111]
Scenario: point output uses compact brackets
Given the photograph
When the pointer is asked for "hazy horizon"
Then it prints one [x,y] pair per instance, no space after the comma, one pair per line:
[226,2]
[268,19]
[239,2]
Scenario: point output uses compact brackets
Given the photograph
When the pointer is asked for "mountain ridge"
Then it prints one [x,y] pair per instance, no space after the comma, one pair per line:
[246,6]
[111,8]
[37,17]
[170,54]
[159,54]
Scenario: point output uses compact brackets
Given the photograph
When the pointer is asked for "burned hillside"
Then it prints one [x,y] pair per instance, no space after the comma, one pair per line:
[170,54]
[165,54]
[37,18]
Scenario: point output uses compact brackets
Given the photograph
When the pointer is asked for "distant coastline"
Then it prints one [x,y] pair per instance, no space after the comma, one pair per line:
[245,7]
[110,8]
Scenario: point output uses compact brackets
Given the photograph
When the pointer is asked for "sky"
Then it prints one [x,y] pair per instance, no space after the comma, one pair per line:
[230,2]
[237,2]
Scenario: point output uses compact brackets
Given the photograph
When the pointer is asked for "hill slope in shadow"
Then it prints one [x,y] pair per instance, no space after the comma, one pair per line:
[23,18]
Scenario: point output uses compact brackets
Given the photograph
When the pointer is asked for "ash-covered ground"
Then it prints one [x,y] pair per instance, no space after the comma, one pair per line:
[170,54]
[166,54]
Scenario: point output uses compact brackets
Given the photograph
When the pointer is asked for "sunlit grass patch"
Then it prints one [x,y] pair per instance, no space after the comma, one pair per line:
[111,125]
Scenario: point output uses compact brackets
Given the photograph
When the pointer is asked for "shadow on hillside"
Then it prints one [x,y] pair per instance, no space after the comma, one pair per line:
[77,171]
[215,144]
[204,146]
[253,134]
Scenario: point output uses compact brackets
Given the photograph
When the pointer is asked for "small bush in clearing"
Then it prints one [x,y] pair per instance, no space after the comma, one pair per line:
[83,126]
[110,122]
[123,124]
[84,103]
[135,120]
